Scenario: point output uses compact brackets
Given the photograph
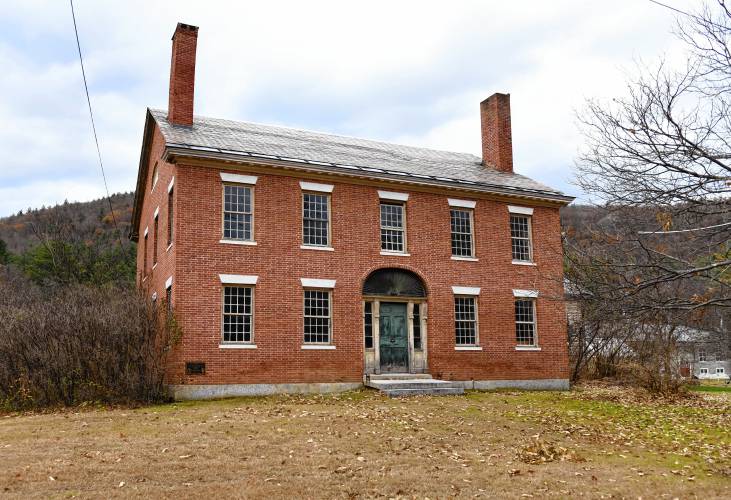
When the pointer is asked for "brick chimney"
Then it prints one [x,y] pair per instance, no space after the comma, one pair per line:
[182,75]
[497,138]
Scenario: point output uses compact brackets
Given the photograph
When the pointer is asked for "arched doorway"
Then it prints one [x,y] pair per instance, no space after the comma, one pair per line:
[394,317]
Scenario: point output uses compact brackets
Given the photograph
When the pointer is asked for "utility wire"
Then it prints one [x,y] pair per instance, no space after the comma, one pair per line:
[93,127]
[685,230]
[671,8]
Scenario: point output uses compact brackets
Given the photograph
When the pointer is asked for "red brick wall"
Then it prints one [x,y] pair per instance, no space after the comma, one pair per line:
[280,263]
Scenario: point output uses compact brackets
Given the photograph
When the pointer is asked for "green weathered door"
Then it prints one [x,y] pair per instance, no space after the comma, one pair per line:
[394,350]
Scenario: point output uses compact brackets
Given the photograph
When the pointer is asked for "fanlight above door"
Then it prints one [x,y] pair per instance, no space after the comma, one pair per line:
[394,283]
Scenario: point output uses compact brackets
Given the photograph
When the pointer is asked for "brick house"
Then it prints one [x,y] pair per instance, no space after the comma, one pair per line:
[299,261]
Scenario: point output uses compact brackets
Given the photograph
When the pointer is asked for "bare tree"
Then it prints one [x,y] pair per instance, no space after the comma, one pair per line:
[665,150]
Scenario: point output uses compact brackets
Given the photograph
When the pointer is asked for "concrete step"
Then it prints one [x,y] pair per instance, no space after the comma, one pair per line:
[399,376]
[412,384]
[442,391]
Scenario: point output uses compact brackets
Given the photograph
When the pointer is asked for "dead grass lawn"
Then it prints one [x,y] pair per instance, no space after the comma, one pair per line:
[594,442]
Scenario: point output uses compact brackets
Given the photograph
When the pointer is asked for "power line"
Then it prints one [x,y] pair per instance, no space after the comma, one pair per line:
[671,8]
[686,230]
[93,127]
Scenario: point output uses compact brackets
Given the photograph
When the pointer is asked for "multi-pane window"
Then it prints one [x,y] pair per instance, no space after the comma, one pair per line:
[465,320]
[416,327]
[704,371]
[169,300]
[238,217]
[315,219]
[170,217]
[154,240]
[521,238]
[155,175]
[720,370]
[461,221]
[525,322]
[317,317]
[702,356]
[368,325]
[238,313]
[392,227]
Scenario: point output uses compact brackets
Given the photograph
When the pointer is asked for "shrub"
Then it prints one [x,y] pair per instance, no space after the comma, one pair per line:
[66,345]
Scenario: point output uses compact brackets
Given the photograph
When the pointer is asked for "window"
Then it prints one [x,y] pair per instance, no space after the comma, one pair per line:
[238,312]
[525,322]
[144,256]
[392,227]
[465,320]
[317,317]
[238,218]
[416,327]
[155,176]
[702,356]
[704,371]
[461,221]
[170,217]
[169,299]
[720,370]
[315,219]
[520,235]
[154,241]
[368,325]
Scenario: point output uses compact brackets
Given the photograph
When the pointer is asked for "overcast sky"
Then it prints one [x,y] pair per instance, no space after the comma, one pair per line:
[411,72]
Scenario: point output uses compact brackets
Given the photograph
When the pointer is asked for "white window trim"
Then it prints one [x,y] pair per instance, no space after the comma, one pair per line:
[238,178]
[146,231]
[520,210]
[317,347]
[720,370]
[314,247]
[703,371]
[168,282]
[461,203]
[317,283]
[530,294]
[468,259]
[240,345]
[466,290]
[238,242]
[524,263]
[527,348]
[157,212]
[398,254]
[237,279]
[390,195]
[314,186]
[154,296]
[468,348]
[172,183]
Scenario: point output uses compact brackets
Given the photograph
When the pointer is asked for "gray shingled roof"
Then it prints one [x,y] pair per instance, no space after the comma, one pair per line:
[228,136]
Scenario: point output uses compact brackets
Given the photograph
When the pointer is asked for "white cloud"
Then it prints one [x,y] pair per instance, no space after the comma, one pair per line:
[407,71]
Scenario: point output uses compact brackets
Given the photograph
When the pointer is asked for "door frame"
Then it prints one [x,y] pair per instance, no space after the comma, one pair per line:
[375,353]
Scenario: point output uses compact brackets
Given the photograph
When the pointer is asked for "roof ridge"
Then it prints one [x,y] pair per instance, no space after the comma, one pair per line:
[328,134]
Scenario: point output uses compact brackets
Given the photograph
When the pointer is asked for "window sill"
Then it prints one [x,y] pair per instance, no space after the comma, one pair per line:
[527,348]
[237,346]
[397,254]
[144,278]
[468,348]
[238,242]
[318,347]
[468,259]
[312,247]
[154,266]
[524,263]
[169,247]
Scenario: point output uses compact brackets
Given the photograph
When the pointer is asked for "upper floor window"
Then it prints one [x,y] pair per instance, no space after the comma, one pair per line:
[238,216]
[702,356]
[155,237]
[393,238]
[461,223]
[520,236]
[155,176]
[170,217]
[316,219]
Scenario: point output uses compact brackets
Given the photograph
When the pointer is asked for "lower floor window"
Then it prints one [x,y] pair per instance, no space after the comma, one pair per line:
[465,320]
[237,313]
[704,371]
[417,327]
[317,317]
[720,371]
[525,322]
[368,325]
